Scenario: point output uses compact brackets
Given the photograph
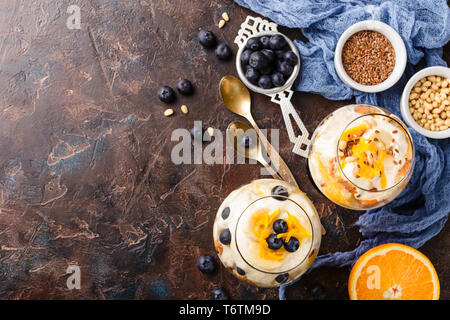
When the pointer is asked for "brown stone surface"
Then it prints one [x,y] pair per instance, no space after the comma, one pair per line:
[85,170]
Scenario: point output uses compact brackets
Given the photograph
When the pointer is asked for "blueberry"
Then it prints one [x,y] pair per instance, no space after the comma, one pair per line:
[280,191]
[240,271]
[225,236]
[274,242]
[166,94]
[270,55]
[184,86]
[258,60]
[226,213]
[277,42]
[223,51]
[207,39]
[280,54]
[247,141]
[265,42]
[278,79]
[285,69]
[254,44]
[252,75]
[292,245]
[282,278]
[197,133]
[206,263]
[245,56]
[291,58]
[318,292]
[265,82]
[280,226]
[267,70]
[219,293]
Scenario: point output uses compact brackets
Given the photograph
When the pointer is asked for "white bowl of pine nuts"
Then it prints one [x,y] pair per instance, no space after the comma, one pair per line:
[425,102]
[370,56]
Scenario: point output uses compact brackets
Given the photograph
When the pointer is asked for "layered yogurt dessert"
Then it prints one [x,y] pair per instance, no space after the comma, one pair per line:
[267,232]
[361,157]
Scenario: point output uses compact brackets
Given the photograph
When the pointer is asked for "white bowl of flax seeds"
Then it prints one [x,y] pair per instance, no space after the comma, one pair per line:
[370,56]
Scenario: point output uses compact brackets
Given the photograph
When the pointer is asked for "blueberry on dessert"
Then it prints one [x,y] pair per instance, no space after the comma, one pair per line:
[225,236]
[280,226]
[280,191]
[292,245]
[274,242]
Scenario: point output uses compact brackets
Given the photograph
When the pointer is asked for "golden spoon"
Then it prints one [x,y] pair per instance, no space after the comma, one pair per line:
[236,98]
[235,131]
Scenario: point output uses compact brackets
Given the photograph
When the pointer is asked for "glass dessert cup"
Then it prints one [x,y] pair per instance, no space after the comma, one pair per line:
[247,219]
[361,157]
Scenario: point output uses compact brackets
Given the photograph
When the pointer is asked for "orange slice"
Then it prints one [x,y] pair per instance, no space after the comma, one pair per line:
[393,271]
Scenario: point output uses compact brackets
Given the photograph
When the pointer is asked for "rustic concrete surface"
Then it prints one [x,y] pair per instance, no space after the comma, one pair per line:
[85,170]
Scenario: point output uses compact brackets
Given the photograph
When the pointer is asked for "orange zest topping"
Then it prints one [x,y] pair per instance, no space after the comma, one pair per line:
[262,229]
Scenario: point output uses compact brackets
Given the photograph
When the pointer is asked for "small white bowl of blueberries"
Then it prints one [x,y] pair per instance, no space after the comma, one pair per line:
[268,62]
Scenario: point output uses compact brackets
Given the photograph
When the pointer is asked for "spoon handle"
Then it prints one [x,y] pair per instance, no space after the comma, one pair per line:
[280,165]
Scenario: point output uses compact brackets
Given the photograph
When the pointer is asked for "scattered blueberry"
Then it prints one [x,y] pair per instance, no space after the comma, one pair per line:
[206,263]
[291,58]
[247,141]
[252,75]
[280,226]
[258,60]
[166,94]
[207,39]
[254,44]
[292,245]
[223,51]
[265,82]
[226,213]
[219,293]
[265,42]
[184,86]
[280,191]
[270,55]
[282,278]
[277,42]
[240,271]
[225,236]
[285,69]
[274,242]
[197,133]
[278,79]
[245,56]
[318,292]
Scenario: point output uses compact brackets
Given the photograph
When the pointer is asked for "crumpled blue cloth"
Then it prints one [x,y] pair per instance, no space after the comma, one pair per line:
[421,210]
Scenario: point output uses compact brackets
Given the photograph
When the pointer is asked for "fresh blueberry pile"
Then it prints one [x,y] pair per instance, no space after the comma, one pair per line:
[268,61]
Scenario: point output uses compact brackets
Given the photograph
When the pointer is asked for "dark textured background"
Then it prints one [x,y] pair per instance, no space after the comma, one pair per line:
[85,170]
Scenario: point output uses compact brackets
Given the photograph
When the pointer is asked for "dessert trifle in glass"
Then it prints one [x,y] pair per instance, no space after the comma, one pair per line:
[267,232]
[361,157]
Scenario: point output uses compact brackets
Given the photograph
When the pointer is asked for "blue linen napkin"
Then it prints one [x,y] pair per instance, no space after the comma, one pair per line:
[421,210]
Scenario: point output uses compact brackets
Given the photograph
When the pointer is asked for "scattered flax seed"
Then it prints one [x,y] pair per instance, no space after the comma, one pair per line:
[168,112]
[184,109]
[368,57]
[225,17]
[221,23]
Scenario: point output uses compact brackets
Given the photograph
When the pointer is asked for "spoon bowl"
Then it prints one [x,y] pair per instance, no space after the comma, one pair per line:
[235,96]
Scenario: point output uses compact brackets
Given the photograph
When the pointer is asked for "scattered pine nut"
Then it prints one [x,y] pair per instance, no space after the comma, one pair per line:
[184,109]
[221,24]
[225,17]
[210,131]
[168,112]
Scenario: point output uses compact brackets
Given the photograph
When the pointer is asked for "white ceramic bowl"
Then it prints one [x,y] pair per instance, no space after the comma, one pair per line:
[404,106]
[255,88]
[397,44]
